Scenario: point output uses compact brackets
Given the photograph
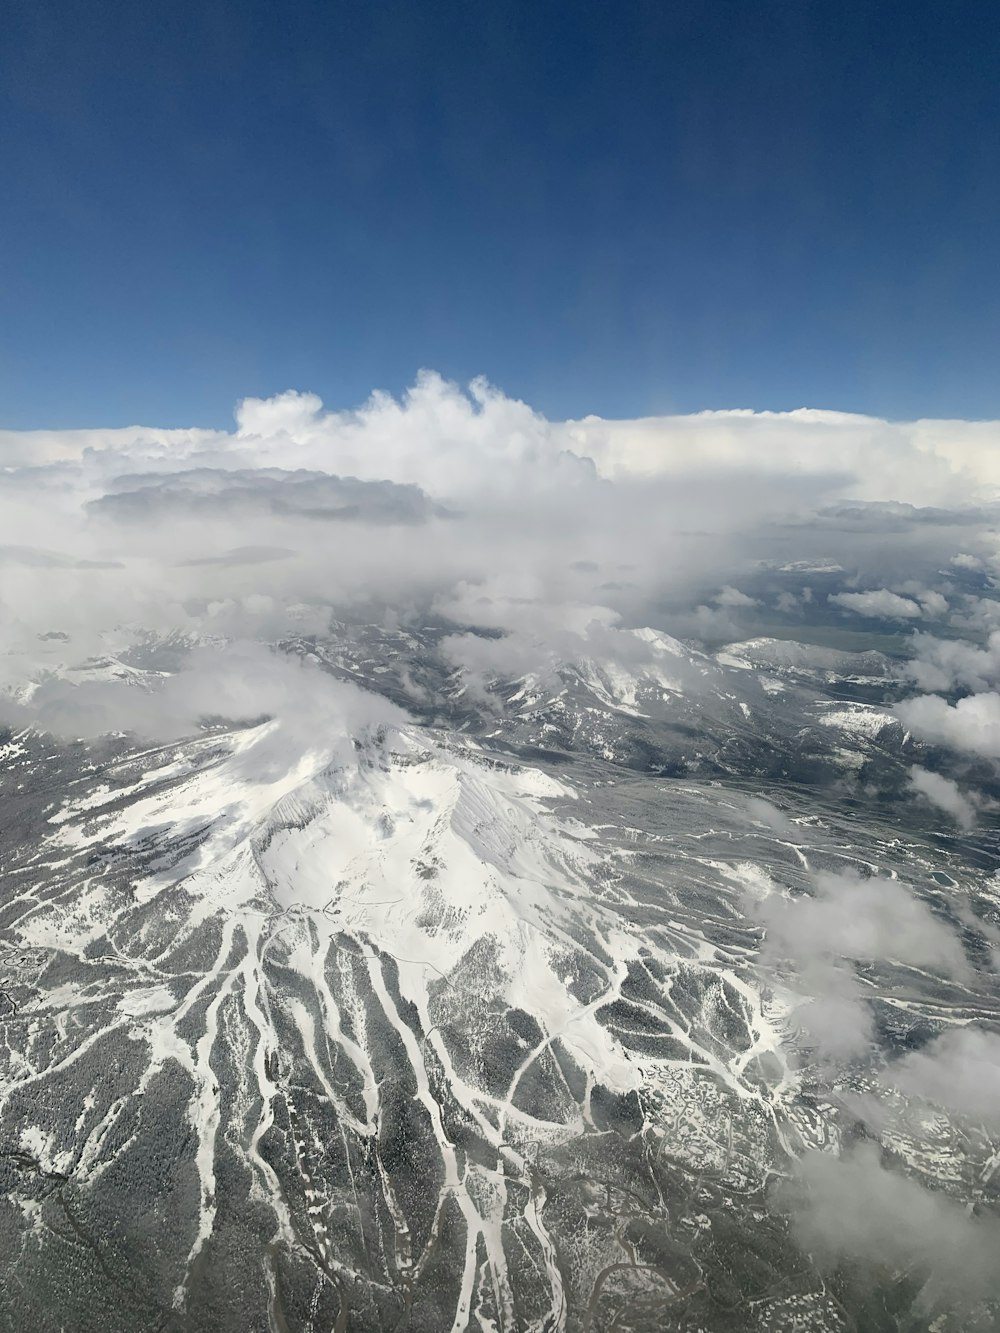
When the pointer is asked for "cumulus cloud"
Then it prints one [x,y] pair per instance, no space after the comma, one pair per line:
[915,463]
[879,603]
[581,639]
[972,725]
[933,603]
[463,504]
[484,659]
[946,795]
[950,664]
[730,596]
[898,463]
[443,500]
[437,437]
[966,561]
[978,615]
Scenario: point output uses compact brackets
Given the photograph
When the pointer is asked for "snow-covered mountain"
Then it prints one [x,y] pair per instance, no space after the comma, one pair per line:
[460,1018]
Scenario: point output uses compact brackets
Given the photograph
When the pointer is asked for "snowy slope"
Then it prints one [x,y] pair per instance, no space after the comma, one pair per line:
[397,1029]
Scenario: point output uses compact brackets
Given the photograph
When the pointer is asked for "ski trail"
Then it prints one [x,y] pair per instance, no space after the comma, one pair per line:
[453,1183]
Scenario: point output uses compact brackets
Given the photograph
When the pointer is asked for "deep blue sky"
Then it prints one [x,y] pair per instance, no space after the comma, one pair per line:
[615,207]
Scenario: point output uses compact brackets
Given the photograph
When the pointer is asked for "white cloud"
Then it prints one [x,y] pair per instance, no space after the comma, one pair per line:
[921,462]
[290,413]
[730,596]
[972,725]
[854,1207]
[978,614]
[768,814]
[879,603]
[449,442]
[467,503]
[948,664]
[960,1069]
[50,448]
[483,660]
[817,937]
[237,682]
[858,919]
[933,603]
[836,1021]
[946,795]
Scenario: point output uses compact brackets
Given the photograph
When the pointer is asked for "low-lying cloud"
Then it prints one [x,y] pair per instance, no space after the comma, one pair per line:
[879,604]
[814,940]
[950,664]
[946,795]
[959,1069]
[859,919]
[239,683]
[972,725]
[853,1207]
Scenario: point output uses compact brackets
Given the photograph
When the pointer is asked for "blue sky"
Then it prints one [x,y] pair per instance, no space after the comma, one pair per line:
[620,208]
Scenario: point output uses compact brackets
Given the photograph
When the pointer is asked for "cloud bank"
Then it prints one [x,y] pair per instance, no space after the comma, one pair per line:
[469,505]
